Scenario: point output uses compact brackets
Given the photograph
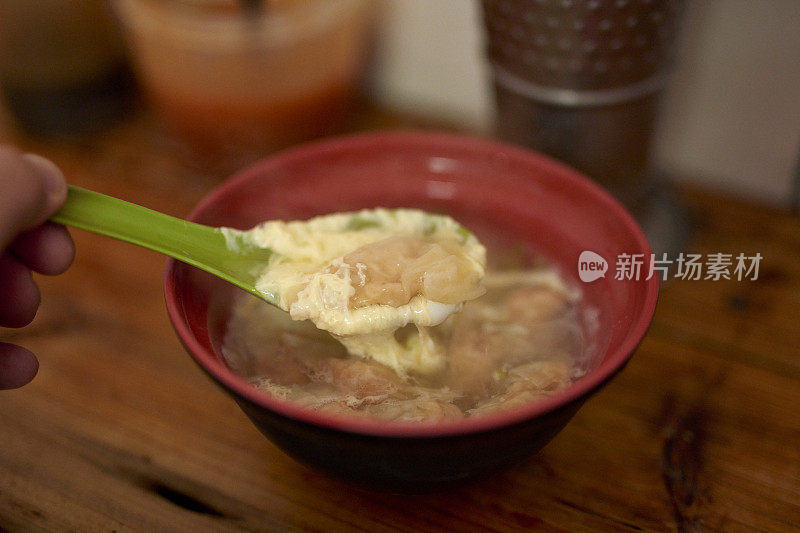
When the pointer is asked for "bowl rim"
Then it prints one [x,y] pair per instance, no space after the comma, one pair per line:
[577,391]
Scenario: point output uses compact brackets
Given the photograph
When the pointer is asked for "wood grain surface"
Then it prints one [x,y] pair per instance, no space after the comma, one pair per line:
[121,431]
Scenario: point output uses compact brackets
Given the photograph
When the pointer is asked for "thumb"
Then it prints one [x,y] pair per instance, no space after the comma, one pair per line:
[33,188]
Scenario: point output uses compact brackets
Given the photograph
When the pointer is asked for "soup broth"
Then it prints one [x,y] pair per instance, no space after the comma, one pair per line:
[520,341]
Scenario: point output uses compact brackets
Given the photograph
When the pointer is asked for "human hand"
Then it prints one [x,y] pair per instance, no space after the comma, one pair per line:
[31,190]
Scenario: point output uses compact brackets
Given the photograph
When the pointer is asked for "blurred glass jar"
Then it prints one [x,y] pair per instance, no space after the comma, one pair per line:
[235,79]
[63,67]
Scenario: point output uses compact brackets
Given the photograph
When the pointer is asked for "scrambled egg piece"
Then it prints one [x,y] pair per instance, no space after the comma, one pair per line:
[362,276]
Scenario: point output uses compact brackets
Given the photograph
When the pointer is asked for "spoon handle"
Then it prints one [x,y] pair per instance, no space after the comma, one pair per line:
[201,246]
[135,224]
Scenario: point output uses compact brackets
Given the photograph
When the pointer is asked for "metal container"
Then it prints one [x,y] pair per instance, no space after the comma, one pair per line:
[580,79]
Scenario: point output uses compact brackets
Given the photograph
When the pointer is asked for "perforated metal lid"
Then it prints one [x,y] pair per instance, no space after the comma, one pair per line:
[590,51]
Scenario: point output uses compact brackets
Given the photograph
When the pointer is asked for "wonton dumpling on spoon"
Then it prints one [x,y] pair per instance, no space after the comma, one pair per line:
[362,276]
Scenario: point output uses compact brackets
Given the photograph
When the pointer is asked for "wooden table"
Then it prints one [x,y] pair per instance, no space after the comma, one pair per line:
[122,431]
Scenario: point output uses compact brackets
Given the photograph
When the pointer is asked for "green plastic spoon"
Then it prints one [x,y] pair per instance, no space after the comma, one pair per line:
[224,252]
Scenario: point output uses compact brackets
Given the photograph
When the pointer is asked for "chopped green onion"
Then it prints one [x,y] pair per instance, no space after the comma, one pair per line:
[358,223]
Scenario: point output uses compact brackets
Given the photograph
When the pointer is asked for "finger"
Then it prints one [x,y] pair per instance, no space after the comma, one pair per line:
[17,366]
[47,249]
[19,295]
[32,190]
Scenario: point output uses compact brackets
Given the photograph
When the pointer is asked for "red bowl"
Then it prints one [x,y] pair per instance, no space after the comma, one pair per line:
[502,193]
